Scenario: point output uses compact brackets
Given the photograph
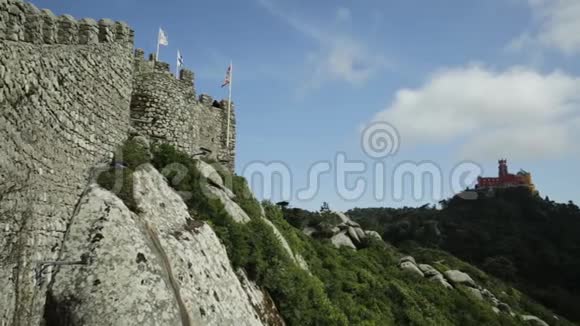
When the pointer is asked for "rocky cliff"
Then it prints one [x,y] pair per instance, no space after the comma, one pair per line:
[152,266]
[156,266]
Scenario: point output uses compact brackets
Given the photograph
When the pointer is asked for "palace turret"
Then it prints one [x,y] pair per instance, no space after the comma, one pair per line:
[506,179]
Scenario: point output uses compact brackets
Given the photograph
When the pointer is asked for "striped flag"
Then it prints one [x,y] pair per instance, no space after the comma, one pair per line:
[228,79]
[179,64]
[179,59]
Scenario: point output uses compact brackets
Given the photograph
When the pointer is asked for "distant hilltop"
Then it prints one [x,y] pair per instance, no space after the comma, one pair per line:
[506,179]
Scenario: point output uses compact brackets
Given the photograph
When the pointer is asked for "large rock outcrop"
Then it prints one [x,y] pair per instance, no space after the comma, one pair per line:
[533,320]
[342,231]
[297,258]
[458,277]
[342,240]
[455,279]
[156,266]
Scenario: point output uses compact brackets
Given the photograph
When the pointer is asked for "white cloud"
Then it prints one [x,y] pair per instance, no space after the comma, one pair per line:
[519,111]
[339,56]
[558,27]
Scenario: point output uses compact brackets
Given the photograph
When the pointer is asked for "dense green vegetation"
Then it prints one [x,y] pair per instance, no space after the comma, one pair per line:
[514,235]
[254,247]
[342,286]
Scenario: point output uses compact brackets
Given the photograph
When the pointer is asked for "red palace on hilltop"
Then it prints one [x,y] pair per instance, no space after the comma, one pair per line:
[505,179]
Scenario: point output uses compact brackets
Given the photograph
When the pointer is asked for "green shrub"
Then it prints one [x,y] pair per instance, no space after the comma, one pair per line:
[119,182]
[245,198]
[133,154]
[119,178]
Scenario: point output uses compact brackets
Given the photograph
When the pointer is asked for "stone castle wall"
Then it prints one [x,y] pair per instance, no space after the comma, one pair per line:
[65,91]
[66,88]
[166,109]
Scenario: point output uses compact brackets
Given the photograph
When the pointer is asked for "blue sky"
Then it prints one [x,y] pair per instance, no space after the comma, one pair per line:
[459,80]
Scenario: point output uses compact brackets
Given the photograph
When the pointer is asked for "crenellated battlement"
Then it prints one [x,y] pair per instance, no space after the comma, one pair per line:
[71,92]
[152,66]
[166,109]
[163,106]
[23,22]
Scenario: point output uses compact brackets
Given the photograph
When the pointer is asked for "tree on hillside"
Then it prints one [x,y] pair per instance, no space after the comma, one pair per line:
[324,208]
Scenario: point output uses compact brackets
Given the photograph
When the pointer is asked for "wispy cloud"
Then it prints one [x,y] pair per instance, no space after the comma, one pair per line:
[339,56]
[557,26]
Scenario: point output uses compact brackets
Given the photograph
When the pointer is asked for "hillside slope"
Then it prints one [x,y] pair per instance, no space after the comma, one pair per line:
[317,281]
[514,235]
[159,238]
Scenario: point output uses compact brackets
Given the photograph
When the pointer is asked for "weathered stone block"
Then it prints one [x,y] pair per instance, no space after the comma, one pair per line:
[33,26]
[139,54]
[205,99]
[122,32]
[49,27]
[68,30]
[106,31]
[161,66]
[88,31]
[15,24]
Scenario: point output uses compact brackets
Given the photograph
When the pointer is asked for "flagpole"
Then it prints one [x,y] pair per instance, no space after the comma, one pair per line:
[157,53]
[229,104]
[177,66]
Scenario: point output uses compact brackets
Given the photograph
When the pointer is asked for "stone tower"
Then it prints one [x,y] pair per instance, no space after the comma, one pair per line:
[167,110]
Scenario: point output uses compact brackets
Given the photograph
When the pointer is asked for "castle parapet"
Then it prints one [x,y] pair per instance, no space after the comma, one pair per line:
[186,76]
[68,30]
[161,66]
[139,54]
[206,99]
[144,67]
[24,22]
[88,31]
[224,104]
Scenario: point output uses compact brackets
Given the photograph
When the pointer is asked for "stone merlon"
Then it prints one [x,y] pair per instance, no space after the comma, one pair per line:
[23,22]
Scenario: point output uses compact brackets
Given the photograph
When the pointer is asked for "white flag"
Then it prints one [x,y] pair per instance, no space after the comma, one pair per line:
[162,38]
